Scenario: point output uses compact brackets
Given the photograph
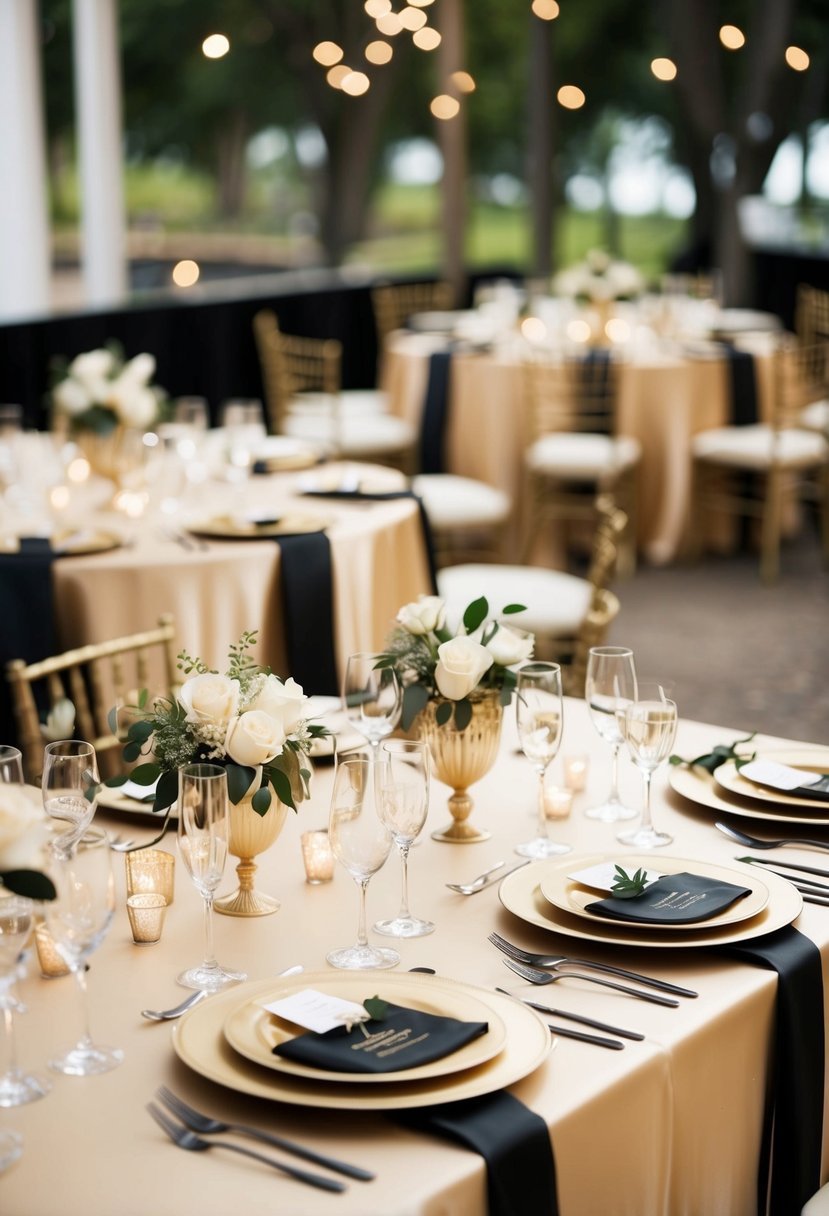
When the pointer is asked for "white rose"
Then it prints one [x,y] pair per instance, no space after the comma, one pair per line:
[509,646]
[422,616]
[134,406]
[285,702]
[139,371]
[461,663]
[22,830]
[210,698]
[92,370]
[254,738]
[70,397]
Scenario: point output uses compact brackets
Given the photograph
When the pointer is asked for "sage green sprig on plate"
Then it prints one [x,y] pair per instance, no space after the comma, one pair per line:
[718,755]
[628,886]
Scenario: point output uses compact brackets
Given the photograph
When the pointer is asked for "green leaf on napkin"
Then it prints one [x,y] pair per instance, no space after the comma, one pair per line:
[719,755]
[376,1008]
[627,887]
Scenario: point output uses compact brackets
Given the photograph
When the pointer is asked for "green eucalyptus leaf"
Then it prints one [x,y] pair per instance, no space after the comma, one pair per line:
[139,732]
[166,792]
[415,697]
[463,714]
[513,608]
[443,713]
[145,774]
[112,720]
[475,614]
[239,778]
[282,785]
[131,751]
[142,698]
[114,782]
[30,883]
[261,800]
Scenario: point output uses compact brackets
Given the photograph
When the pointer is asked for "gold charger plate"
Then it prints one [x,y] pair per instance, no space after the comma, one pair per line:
[729,777]
[199,1041]
[573,897]
[698,786]
[253,1031]
[226,527]
[520,893]
[80,543]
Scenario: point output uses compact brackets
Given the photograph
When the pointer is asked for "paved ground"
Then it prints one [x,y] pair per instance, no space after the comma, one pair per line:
[740,653]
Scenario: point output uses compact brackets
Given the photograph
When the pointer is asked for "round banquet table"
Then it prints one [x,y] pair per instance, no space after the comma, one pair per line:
[667,1125]
[666,394]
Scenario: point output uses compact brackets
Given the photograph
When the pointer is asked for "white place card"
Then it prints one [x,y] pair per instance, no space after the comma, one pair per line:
[778,776]
[603,877]
[315,1010]
[131,789]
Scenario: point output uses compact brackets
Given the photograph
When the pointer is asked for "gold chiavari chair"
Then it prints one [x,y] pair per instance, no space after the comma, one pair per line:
[94,679]
[394,303]
[812,328]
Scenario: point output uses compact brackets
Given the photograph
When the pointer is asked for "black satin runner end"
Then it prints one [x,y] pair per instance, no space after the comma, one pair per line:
[514,1142]
[743,384]
[793,1136]
[27,613]
[435,414]
[308,609]
[596,369]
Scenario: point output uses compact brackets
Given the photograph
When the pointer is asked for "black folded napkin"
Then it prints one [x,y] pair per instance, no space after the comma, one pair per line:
[404,1038]
[674,899]
[27,613]
[513,1140]
[308,613]
[793,1130]
[435,414]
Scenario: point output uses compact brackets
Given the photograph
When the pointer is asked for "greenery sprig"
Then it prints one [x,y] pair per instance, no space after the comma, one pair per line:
[718,755]
[628,886]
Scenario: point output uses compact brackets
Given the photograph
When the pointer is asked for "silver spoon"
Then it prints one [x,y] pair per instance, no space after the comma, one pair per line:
[165,1015]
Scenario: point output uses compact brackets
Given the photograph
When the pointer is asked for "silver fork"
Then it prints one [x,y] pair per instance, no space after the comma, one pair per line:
[545,977]
[198,1122]
[195,1144]
[556,960]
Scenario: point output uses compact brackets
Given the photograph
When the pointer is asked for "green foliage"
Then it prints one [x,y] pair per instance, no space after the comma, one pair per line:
[628,886]
[30,883]
[719,755]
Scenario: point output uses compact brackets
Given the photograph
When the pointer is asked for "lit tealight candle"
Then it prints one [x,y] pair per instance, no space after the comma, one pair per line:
[558,802]
[575,773]
[317,856]
[52,962]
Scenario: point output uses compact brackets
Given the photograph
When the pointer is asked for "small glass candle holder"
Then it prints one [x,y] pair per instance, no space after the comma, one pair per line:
[150,872]
[51,961]
[575,773]
[558,802]
[146,912]
[317,856]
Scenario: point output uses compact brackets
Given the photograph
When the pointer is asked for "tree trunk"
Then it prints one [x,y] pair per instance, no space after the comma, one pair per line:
[453,145]
[540,125]
[231,164]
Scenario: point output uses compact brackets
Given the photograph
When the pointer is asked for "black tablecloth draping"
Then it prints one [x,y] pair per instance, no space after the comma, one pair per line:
[435,414]
[307,604]
[28,618]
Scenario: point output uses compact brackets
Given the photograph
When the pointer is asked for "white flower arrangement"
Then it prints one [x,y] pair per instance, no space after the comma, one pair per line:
[597,278]
[99,392]
[431,661]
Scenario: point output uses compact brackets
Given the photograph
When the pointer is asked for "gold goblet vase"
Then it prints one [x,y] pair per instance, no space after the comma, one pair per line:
[251,834]
[462,757]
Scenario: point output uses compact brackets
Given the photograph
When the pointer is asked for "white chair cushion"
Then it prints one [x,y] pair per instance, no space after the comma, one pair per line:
[755,447]
[556,603]
[580,456]
[353,402]
[368,434]
[460,502]
[816,416]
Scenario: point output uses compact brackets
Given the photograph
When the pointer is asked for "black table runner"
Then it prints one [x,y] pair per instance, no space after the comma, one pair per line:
[435,414]
[307,588]
[742,385]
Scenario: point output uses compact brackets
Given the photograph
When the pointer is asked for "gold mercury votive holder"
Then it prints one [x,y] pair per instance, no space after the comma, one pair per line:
[317,857]
[146,913]
[150,872]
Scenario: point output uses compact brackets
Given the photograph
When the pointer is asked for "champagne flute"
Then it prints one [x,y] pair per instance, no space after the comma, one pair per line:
[650,731]
[78,919]
[402,785]
[361,842]
[70,785]
[610,686]
[372,698]
[203,832]
[16,915]
[539,717]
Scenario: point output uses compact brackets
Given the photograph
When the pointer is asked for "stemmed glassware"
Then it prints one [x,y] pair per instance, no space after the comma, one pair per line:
[70,786]
[360,841]
[203,834]
[16,914]
[78,919]
[372,698]
[539,717]
[11,765]
[609,687]
[402,786]
[650,731]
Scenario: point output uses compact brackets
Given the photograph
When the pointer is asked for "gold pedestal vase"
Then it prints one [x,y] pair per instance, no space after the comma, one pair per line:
[462,757]
[251,834]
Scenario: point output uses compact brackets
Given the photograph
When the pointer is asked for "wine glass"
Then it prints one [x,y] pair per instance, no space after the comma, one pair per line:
[610,686]
[372,698]
[361,842]
[650,731]
[16,914]
[70,785]
[11,765]
[539,717]
[402,786]
[78,919]
[203,834]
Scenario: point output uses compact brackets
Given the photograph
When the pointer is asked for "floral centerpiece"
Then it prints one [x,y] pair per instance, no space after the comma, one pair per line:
[99,392]
[599,278]
[432,661]
[248,720]
[22,839]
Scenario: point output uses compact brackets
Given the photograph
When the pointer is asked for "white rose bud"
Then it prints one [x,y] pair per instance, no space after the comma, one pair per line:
[92,370]
[284,701]
[422,616]
[210,698]
[461,663]
[509,646]
[135,406]
[70,397]
[139,371]
[254,738]
[22,831]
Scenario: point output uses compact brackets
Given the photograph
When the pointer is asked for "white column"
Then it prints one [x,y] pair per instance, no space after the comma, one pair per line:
[98,107]
[24,224]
